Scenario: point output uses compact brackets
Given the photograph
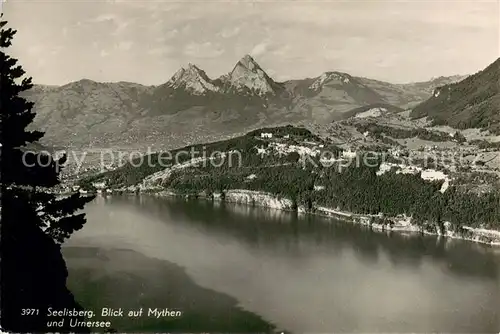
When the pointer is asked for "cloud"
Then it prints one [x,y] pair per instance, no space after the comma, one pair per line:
[229,32]
[119,23]
[35,50]
[56,50]
[125,45]
[163,50]
[271,72]
[104,18]
[296,38]
[259,49]
[121,26]
[171,34]
[187,28]
[281,51]
[203,50]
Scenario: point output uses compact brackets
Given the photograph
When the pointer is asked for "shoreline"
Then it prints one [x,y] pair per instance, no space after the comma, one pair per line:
[399,224]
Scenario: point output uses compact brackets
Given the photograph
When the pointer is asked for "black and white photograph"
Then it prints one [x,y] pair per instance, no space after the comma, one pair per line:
[250,166]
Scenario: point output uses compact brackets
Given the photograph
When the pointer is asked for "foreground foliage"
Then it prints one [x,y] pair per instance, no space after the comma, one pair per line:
[34,222]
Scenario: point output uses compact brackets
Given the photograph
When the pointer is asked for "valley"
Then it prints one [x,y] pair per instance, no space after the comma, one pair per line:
[305,142]
[376,183]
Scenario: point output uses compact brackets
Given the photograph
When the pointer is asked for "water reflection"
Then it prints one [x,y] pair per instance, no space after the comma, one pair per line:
[309,273]
[291,232]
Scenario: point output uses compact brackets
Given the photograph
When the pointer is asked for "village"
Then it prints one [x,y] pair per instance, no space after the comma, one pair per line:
[433,162]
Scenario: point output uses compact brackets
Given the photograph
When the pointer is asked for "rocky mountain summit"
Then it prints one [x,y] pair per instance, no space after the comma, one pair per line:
[192,79]
[247,73]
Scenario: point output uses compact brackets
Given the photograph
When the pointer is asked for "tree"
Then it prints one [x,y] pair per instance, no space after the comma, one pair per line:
[34,221]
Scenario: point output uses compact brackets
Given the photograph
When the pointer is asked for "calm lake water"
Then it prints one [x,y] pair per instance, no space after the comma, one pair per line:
[236,268]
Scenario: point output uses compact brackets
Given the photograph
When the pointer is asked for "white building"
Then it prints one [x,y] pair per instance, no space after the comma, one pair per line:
[99,185]
[349,153]
[266,135]
[395,152]
[261,151]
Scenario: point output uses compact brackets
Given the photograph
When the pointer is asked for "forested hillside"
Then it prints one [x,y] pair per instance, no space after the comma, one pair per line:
[471,103]
[308,181]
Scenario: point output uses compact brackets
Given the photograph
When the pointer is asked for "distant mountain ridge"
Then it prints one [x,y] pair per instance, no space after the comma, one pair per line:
[192,107]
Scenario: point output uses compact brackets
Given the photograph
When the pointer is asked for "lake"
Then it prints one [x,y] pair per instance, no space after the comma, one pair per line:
[223,267]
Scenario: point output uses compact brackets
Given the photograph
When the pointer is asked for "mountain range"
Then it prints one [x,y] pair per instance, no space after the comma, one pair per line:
[191,107]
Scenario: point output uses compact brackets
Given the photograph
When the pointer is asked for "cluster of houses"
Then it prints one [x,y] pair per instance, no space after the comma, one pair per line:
[100,188]
[398,152]
[349,153]
[269,135]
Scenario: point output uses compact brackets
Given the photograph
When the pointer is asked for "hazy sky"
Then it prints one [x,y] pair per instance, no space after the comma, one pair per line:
[147,41]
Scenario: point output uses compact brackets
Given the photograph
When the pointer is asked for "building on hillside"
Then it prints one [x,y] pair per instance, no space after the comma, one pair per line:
[261,151]
[266,135]
[349,153]
[99,185]
[396,152]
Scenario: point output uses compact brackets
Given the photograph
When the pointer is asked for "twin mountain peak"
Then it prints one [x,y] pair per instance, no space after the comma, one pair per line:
[246,75]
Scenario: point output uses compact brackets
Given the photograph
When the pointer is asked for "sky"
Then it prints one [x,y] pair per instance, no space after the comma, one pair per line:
[148,41]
